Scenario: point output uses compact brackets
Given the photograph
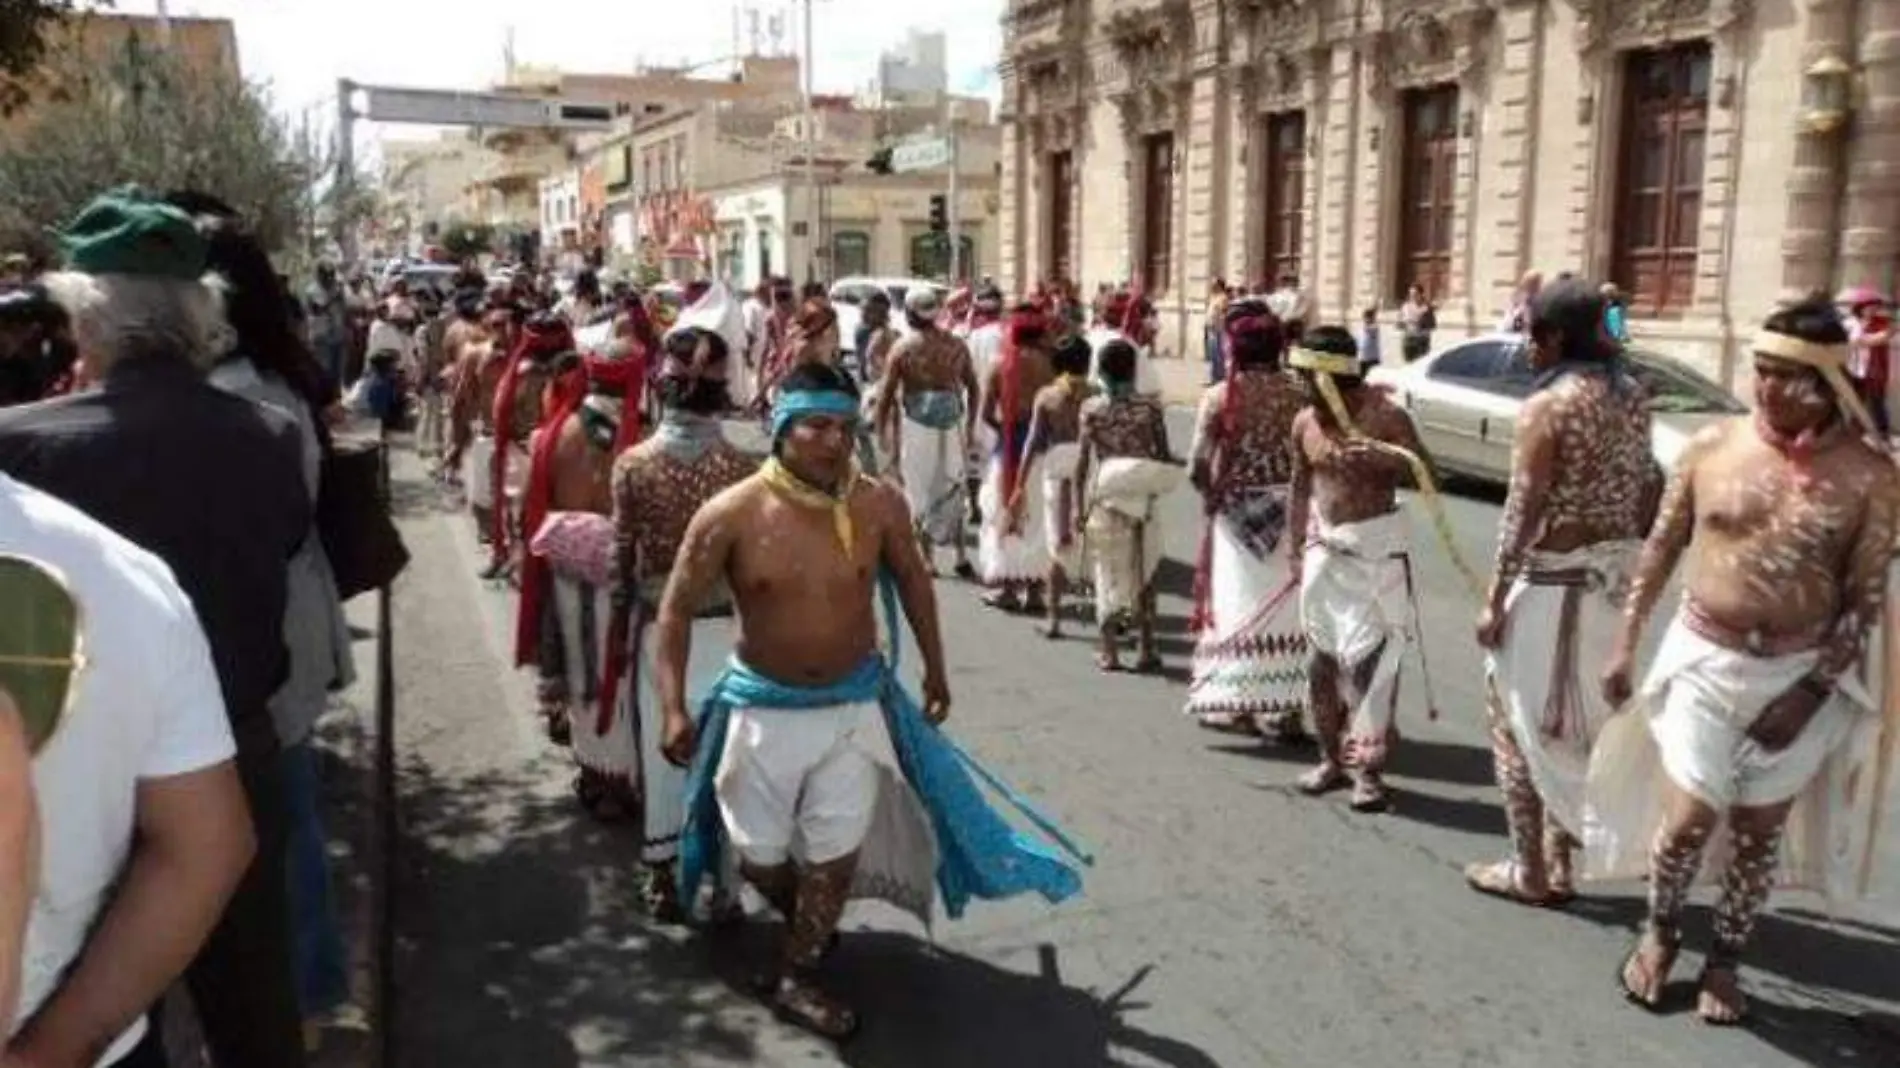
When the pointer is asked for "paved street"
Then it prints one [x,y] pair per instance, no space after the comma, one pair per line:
[1228,921]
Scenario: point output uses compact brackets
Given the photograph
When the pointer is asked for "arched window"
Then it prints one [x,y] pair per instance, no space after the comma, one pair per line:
[850,253]
[930,256]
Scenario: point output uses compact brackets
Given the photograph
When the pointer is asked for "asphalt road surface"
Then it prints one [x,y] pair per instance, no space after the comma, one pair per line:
[1227,921]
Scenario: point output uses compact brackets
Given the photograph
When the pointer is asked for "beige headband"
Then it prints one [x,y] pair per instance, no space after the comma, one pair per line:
[1811,353]
[1327,363]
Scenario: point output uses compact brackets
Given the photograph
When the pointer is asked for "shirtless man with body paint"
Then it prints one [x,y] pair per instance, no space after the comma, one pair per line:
[801,545]
[1358,542]
[927,394]
[1583,493]
[1788,519]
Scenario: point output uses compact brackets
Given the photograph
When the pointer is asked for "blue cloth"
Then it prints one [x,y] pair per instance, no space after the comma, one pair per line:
[938,409]
[1616,322]
[798,404]
[980,855]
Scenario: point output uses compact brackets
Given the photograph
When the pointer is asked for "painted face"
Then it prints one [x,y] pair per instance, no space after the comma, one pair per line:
[818,448]
[1792,397]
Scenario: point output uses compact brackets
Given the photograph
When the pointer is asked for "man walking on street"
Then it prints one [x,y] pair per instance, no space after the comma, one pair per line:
[1583,491]
[1250,657]
[1751,715]
[658,486]
[1353,564]
[808,735]
[931,380]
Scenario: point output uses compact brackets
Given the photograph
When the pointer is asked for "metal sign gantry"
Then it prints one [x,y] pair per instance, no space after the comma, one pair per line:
[449,107]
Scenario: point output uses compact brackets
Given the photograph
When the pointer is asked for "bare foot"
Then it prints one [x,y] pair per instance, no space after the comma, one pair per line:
[1369,794]
[1721,1001]
[1323,779]
[799,1001]
[1505,879]
[1646,971]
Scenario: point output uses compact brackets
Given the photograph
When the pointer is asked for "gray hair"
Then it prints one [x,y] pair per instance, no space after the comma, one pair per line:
[122,316]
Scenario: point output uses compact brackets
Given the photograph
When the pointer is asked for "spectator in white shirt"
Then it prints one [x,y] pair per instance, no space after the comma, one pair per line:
[146,830]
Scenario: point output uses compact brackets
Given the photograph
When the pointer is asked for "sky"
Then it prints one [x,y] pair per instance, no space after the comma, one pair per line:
[299,48]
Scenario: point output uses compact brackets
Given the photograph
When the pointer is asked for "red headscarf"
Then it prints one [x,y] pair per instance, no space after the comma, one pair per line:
[542,337]
[614,377]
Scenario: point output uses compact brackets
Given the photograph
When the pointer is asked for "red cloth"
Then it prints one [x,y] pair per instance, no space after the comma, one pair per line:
[615,376]
[1024,319]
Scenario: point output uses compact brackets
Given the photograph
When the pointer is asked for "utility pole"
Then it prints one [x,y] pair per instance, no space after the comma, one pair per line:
[950,200]
[811,151]
[343,191]
[164,25]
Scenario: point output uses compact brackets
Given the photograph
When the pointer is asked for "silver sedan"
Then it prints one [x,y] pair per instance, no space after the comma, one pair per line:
[1465,398]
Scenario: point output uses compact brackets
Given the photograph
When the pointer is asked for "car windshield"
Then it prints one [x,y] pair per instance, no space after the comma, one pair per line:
[1674,388]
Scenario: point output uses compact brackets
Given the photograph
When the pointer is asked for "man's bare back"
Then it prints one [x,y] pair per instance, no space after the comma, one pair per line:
[1774,549]
[581,471]
[1033,373]
[926,361]
[656,496]
[1351,481]
[1589,446]
[1058,410]
[806,611]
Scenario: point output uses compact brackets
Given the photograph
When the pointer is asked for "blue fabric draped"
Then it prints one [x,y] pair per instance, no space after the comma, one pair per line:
[797,404]
[980,855]
[938,409]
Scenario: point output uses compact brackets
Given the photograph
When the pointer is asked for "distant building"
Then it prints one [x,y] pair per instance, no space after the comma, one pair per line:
[914,72]
[1456,145]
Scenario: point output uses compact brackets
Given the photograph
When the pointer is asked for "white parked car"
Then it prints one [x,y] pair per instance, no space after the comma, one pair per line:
[1464,399]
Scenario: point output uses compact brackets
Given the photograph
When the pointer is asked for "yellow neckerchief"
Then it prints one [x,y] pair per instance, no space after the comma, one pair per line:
[1324,366]
[803,493]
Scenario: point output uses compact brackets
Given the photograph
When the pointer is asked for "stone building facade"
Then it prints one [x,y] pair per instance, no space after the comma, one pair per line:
[1685,149]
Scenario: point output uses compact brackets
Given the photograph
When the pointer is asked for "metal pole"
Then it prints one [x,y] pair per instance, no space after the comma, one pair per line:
[345,167]
[950,199]
[811,167]
[164,25]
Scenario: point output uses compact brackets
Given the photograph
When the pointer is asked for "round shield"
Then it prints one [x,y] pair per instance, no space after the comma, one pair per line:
[39,644]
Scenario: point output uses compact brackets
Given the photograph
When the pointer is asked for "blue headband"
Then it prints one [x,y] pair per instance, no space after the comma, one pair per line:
[798,404]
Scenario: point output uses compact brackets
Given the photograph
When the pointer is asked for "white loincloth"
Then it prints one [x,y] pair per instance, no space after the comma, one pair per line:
[1546,680]
[933,478]
[813,785]
[1003,556]
[1688,725]
[1251,659]
[1124,529]
[628,751]
[1052,469]
[478,472]
[1354,600]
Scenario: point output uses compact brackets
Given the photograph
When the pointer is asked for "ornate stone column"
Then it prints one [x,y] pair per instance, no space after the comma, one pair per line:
[1870,241]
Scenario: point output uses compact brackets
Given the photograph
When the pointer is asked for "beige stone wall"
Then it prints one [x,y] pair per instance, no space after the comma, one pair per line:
[1541,138]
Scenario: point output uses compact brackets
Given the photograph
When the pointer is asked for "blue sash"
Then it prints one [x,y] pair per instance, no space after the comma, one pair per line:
[938,409]
[980,855]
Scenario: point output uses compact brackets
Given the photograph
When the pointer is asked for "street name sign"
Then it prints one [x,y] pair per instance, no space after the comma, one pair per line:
[921,155]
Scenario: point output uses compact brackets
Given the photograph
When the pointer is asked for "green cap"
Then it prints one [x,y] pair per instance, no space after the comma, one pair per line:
[130,231]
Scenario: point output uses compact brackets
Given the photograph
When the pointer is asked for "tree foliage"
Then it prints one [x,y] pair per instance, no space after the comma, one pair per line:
[463,240]
[145,117]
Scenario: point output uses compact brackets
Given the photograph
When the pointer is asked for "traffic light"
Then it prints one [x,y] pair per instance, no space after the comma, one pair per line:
[939,213]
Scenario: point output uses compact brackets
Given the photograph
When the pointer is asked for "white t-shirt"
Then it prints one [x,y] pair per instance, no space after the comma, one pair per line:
[145,705]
